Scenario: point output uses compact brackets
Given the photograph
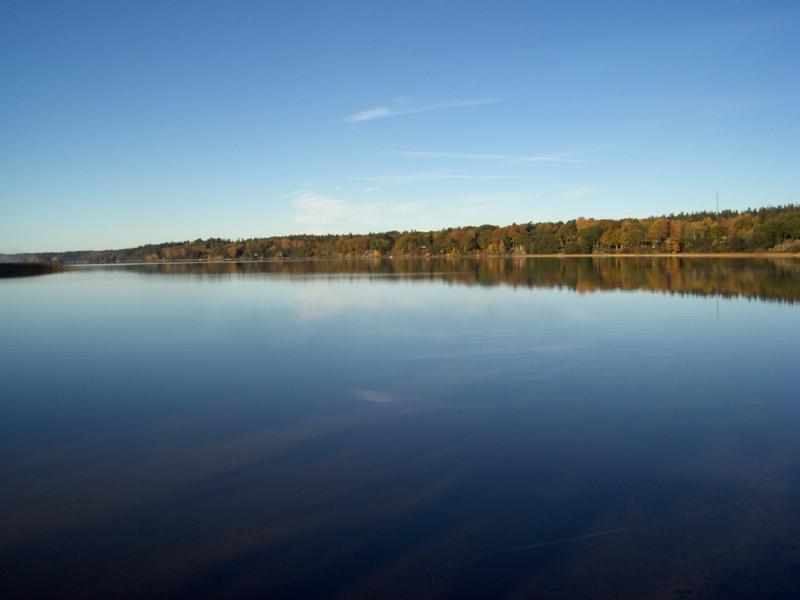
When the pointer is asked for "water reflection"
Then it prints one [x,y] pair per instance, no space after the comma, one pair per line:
[749,277]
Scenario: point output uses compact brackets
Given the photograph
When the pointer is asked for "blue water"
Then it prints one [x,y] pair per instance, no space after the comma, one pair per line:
[426,429]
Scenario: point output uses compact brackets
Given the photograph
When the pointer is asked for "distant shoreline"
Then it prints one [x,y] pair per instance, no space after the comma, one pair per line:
[446,257]
[768,231]
[671,255]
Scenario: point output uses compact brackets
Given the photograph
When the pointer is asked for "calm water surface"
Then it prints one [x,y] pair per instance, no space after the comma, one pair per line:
[609,428]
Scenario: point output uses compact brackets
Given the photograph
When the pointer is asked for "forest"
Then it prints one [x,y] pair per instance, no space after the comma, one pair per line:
[772,229]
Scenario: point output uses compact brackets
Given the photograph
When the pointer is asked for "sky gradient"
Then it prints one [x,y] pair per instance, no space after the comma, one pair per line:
[127,123]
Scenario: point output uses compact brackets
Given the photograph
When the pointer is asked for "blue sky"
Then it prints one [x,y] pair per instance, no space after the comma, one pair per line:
[130,122]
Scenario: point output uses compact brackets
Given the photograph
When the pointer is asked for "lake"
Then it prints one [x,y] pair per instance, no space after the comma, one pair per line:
[557,427]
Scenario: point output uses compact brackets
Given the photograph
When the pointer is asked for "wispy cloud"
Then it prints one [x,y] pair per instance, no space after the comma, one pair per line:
[320,213]
[433,175]
[748,3]
[678,108]
[574,192]
[554,158]
[383,112]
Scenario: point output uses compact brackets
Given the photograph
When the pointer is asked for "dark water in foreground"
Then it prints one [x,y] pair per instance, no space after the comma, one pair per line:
[609,428]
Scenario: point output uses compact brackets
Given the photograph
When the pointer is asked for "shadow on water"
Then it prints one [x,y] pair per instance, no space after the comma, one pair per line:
[8,270]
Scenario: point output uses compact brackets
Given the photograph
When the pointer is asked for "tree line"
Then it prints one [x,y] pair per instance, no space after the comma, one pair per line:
[774,229]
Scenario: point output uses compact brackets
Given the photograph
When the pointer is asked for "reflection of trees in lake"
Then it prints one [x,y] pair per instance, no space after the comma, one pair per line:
[762,278]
